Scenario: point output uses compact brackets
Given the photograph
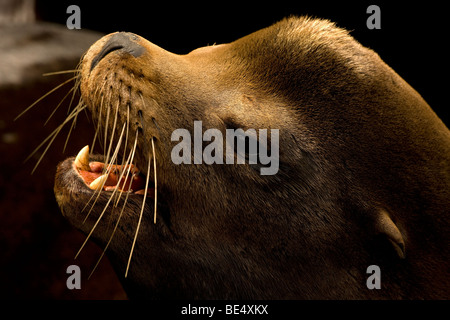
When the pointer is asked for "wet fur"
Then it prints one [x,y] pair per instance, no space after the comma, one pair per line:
[355,140]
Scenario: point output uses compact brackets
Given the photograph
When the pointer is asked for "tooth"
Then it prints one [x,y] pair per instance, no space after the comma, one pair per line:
[98,183]
[82,159]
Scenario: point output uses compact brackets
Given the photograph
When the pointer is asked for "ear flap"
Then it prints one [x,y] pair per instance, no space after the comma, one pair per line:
[385,225]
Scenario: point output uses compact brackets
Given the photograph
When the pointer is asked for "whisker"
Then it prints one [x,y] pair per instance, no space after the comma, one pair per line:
[140,218]
[106,150]
[95,225]
[70,131]
[107,171]
[44,96]
[99,119]
[129,160]
[156,180]
[73,89]
[112,235]
[108,111]
[112,132]
[52,136]
[98,131]
[60,72]
[154,160]
[94,140]
[127,171]
[109,201]
[126,135]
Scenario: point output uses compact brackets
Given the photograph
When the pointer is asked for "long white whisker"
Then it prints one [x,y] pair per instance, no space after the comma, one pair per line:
[107,171]
[108,111]
[140,218]
[126,135]
[129,160]
[95,225]
[127,164]
[52,136]
[112,235]
[107,204]
[44,96]
[94,140]
[112,136]
[71,128]
[99,121]
[60,72]
[59,104]
[156,180]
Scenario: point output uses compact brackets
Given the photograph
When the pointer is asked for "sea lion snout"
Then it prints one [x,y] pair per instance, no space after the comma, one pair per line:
[124,41]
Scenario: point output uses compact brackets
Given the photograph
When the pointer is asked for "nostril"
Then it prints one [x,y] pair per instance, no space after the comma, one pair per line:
[119,41]
[103,54]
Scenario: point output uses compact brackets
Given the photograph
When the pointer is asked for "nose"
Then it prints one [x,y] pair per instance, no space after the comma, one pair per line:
[123,41]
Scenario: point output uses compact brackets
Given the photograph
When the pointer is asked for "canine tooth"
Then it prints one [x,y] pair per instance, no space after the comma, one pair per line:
[82,159]
[99,182]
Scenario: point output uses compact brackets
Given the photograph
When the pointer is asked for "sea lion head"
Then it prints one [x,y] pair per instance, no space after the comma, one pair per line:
[356,169]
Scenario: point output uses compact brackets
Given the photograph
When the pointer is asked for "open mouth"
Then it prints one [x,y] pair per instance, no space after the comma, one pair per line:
[98,175]
[110,177]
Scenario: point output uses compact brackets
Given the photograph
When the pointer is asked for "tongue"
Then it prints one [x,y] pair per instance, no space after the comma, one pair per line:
[96,176]
[131,182]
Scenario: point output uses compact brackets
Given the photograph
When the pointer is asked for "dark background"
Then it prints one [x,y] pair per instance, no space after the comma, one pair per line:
[37,244]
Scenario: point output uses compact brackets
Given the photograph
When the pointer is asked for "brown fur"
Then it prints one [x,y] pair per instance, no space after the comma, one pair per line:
[364,172]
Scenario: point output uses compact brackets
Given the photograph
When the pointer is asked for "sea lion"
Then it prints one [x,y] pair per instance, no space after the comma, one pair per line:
[363,177]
